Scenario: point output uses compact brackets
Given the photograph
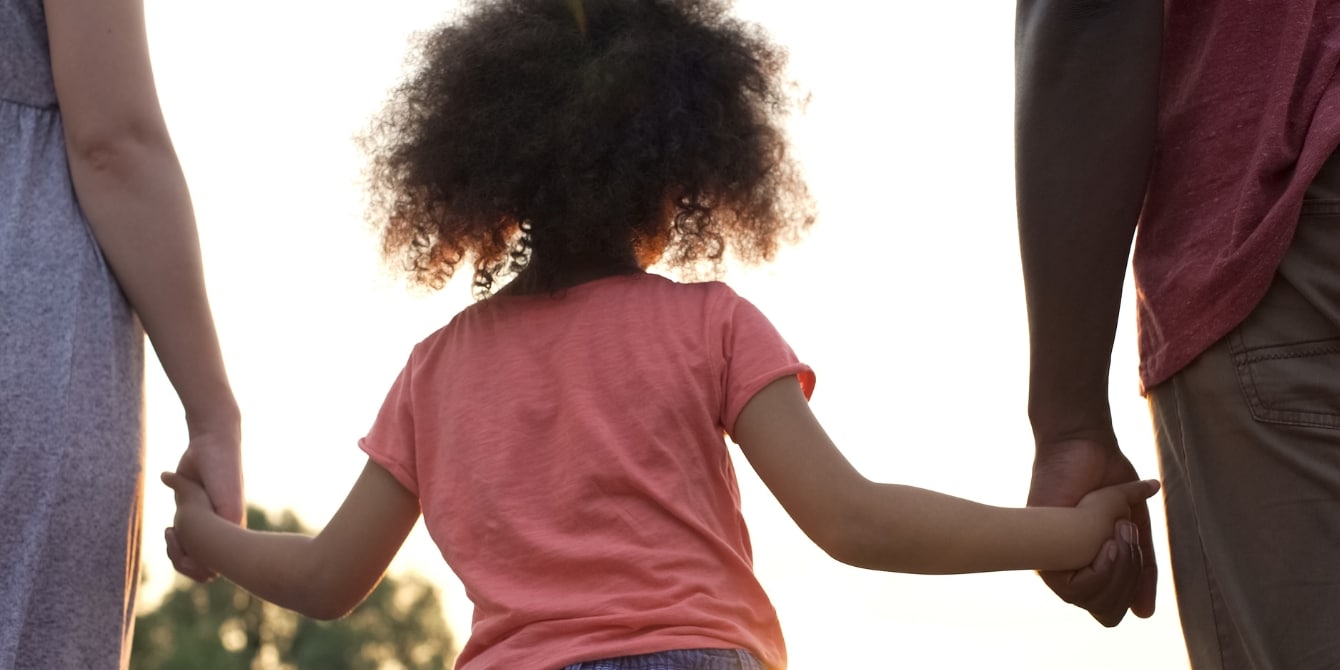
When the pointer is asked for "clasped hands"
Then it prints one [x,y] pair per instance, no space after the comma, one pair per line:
[1124,576]
[213,461]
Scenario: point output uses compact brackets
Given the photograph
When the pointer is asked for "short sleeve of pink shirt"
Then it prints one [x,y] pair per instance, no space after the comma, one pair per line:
[630,394]
[390,443]
[754,355]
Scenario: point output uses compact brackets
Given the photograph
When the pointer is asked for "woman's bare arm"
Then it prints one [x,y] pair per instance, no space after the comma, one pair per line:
[130,186]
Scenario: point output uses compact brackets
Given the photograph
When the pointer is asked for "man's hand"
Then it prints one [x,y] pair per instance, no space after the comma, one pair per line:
[1124,575]
[214,460]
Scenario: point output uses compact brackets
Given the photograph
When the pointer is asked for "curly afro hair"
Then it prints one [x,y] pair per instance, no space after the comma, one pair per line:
[578,138]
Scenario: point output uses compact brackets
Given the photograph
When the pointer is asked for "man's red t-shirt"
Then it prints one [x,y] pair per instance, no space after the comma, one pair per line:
[1249,111]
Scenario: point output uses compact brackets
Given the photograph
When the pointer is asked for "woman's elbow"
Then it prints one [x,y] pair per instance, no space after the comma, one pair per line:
[115,150]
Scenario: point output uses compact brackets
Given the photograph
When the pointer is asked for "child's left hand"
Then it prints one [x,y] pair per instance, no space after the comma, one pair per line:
[190,495]
[192,503]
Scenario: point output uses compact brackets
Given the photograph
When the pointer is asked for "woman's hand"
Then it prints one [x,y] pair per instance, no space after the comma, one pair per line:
[214,460]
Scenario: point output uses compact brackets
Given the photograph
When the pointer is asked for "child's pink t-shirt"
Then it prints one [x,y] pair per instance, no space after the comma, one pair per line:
[568,455]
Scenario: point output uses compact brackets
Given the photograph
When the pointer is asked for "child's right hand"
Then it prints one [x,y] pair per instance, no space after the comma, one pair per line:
[1114,503]
[1104,508]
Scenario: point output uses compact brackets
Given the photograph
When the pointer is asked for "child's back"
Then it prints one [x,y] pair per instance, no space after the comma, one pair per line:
[568,455]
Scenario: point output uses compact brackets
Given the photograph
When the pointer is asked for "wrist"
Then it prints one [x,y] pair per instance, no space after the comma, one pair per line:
[1068,394]
[1095,530]
[1075,418]
[220,418]
[1094,438]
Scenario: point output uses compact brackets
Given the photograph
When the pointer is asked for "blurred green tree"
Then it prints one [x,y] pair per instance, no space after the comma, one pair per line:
[219,626]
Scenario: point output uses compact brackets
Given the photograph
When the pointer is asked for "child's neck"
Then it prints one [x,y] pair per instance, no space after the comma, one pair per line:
[533,281]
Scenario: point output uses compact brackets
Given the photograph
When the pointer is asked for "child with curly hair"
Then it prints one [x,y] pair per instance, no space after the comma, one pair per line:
[563,436]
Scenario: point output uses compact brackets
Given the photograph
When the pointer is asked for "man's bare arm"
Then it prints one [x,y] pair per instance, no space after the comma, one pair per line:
[1086,112]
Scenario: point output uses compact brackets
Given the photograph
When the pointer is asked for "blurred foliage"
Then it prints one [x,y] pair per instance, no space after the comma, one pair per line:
[219,626]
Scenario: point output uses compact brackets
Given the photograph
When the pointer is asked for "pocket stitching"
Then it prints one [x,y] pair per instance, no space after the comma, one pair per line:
[1261,411]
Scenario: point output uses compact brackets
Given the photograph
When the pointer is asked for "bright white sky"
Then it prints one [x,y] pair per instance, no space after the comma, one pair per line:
[906,299]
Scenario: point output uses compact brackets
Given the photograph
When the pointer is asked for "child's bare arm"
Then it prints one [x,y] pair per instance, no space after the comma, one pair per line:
[323,577]
[906,529]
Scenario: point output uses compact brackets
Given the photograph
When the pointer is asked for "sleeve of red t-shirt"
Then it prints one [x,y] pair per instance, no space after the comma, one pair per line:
[390,442]
[753,356]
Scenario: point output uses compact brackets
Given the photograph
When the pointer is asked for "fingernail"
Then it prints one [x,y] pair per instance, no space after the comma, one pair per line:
[1127,530]
[1111,552]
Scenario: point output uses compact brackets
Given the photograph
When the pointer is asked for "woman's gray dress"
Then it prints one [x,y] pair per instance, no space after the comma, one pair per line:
[71,371]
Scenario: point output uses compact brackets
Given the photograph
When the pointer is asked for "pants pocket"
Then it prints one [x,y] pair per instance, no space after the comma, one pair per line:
[1296,383]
